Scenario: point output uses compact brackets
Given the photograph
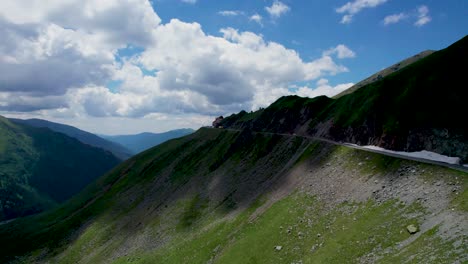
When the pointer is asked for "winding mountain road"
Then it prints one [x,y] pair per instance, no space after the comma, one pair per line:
[349,145]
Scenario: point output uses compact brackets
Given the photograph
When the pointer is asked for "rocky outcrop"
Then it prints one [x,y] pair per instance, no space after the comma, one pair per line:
[217,122]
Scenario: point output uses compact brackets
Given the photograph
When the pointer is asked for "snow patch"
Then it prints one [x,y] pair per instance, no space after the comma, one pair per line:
[424,154]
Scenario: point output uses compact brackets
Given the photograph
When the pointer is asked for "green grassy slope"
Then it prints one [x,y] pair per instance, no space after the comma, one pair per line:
[83,136]
[40,168]
[387,71]
[422,106]
[17,156]
[221,196]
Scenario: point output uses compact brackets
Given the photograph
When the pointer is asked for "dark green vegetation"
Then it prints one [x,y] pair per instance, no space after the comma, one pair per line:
[83,136]
[387,71]
[219,196]
[422,106]
[140,142]
[40,168]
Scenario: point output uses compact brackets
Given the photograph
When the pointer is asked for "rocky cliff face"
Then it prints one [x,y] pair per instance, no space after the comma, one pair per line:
[442,141]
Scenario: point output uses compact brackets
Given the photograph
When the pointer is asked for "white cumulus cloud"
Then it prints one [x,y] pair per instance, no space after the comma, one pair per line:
[395,18]
[277,9]
[52,50]
[423,16]
[341,51]
[322,88]
[350,9]
[256,18]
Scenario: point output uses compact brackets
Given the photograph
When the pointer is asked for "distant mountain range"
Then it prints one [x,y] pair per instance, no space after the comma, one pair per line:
[83,136]
[140,142]
[40,168]
[43,163]
[122,146]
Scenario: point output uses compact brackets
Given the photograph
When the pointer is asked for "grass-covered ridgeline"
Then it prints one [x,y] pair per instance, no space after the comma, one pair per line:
[40,168]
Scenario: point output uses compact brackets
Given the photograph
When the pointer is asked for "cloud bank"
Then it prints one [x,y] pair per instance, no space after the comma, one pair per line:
[59,63]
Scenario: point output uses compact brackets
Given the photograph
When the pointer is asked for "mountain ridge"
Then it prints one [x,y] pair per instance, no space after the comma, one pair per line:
[83,136]
[385,72]
[419,107]
[40,168]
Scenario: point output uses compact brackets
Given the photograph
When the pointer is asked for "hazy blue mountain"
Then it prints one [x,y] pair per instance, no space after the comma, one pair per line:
[143,141]
[85,137]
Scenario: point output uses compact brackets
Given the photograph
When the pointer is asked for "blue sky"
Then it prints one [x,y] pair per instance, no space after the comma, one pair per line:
[128,66]
[311,26]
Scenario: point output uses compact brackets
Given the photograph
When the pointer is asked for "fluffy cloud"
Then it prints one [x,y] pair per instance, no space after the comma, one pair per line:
[423,16]
[50,50]
[323,88]
[228,71]
[49,59]
[277,9]
[58,64]
[256,18]
[395,18]
[115,23]
[341,51]
[352,8]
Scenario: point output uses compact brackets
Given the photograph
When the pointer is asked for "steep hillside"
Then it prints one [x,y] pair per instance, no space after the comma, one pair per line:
[40,168]
[143,141]
[83,136]
[422,106]
[385,72]
[220,196]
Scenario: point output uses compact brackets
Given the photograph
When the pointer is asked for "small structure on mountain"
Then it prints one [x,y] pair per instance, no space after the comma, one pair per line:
[217,122]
